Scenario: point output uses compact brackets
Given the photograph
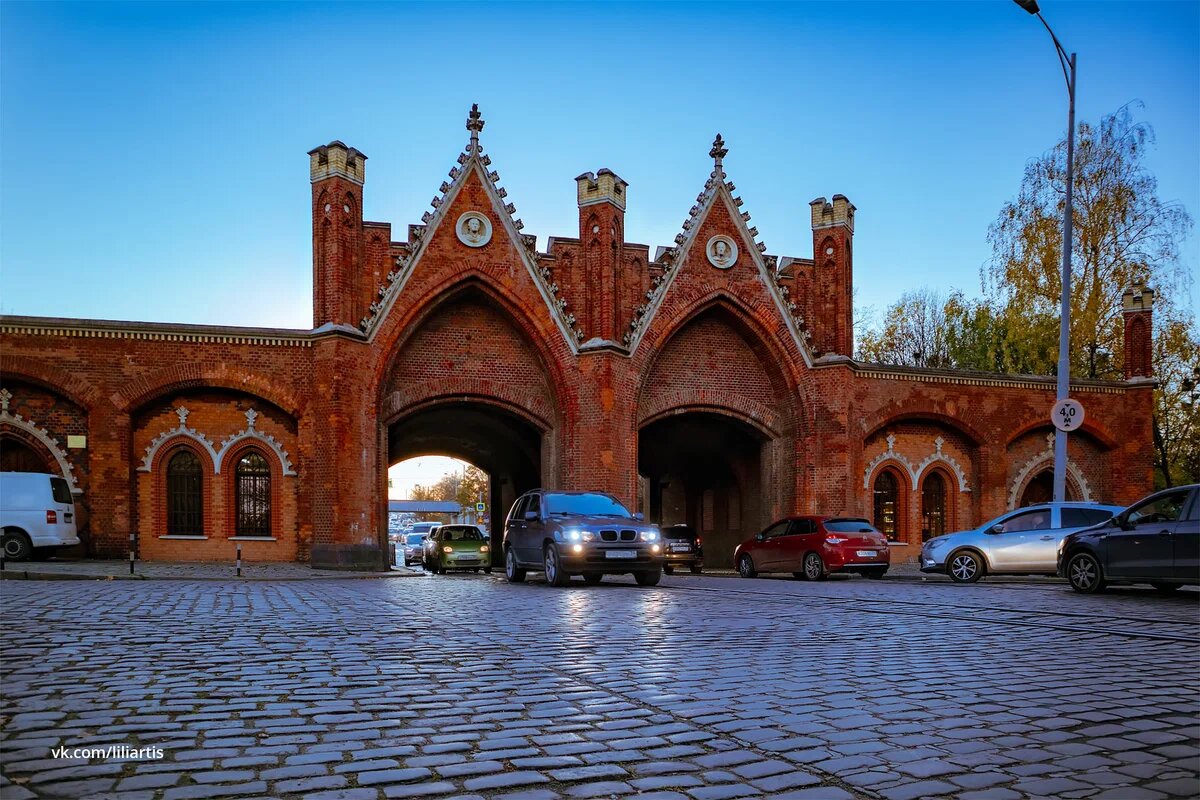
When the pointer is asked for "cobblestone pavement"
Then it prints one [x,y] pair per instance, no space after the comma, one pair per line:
[178,570]
[701,689]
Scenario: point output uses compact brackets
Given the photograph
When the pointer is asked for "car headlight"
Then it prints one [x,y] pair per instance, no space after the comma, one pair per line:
[649,536]
[447,549]
[574,535]
[483,548]
[589,536]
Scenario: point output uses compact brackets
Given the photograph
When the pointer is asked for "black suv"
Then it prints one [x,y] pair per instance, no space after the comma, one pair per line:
[579,533]
[682,548]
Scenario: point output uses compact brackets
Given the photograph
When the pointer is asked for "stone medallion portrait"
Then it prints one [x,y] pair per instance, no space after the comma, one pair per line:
[474,229]
[722,251]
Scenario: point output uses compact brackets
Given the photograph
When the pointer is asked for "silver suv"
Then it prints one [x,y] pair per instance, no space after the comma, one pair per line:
[1024,541]
[579,533]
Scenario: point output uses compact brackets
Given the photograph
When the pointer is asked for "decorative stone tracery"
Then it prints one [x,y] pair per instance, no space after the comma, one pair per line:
[217,454]
[915,471]
[42,436]
[1040,461]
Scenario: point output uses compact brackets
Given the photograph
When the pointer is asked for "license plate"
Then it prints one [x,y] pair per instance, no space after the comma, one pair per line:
[867,554]
[681,548]
[620,553]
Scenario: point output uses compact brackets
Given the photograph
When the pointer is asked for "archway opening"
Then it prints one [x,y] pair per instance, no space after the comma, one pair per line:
[706,470]
[502,444]
[16,456]
[1040,489]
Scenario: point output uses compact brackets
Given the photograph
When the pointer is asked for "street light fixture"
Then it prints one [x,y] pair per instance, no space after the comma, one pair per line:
[1064,331]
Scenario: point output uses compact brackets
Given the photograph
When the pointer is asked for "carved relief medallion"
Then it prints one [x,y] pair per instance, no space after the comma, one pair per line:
[473,229]
[722,251]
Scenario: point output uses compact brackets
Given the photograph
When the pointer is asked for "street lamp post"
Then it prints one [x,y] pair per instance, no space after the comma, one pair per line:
[1064,330]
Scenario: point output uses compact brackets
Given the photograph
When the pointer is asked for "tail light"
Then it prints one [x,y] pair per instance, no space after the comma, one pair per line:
[51,517]
[836,539]
[697,541]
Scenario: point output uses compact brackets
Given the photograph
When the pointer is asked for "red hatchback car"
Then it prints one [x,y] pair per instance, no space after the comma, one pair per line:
[813,547]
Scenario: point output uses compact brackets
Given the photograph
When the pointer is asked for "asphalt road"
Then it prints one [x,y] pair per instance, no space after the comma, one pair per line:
[701,688]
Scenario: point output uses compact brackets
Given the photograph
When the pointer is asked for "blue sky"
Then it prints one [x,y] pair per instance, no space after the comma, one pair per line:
[153,167]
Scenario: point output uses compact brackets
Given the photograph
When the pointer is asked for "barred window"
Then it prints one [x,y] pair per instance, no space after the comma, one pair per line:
[887,505]
[185,496]
[253,478]
[933,505]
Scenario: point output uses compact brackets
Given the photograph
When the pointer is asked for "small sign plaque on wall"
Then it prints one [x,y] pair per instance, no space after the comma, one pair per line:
[76,442]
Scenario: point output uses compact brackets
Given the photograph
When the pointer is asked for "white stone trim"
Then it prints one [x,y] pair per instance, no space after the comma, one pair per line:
[939,457]
[717,188]
[184,431]
[1039,462]
[915,471]
[250,432]
[184,536]
[472,160]
[890,455]
[44,437]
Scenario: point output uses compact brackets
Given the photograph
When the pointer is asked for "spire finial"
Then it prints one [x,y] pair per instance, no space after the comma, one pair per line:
[475,123]
[718,150]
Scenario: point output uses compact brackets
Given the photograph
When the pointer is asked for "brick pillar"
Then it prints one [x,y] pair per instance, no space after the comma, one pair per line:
[831,303]
[347,482]
[602,234]
[337,173]
[110,486]
[1137,307]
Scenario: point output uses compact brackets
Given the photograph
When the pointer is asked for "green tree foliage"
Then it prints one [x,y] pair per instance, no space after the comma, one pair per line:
[1124,236]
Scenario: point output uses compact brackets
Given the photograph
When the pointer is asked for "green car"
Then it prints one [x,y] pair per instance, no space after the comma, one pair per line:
[457,547]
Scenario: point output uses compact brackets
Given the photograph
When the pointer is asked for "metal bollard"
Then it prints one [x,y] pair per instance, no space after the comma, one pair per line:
[132,551]
[239,559]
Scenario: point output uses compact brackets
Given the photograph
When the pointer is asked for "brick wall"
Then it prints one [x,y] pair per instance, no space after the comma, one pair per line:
[447,323]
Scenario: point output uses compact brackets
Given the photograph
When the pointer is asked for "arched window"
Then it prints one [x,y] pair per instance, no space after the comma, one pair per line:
[253,490]
[185,497]
[887,505]
[933,506]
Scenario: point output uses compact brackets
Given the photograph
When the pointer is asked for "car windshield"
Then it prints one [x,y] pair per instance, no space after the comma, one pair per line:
[584,505]
[461,535]
[849,526]
[415,538]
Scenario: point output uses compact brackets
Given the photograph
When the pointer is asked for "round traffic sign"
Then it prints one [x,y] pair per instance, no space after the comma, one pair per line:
[1067,415]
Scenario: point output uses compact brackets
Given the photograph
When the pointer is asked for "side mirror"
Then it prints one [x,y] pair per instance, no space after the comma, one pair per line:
[639,516]
[1122,522]
[531,516]
[997,528]
[759,536]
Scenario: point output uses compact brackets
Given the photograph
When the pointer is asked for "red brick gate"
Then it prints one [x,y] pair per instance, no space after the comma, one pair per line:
[710,382]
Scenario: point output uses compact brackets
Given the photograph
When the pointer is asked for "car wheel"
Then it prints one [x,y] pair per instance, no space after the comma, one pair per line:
[511,571]
[593,578]
[553,567]
[17,546]
[648,578]
[1084,573]
[964,567]
[1166,588]
[746,567]
[696,569]
[814,567]
[667,568]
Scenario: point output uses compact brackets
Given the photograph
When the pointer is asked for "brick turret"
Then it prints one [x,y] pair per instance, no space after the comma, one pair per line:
[831,302]
[1137,307]
[602,234]
[337,174]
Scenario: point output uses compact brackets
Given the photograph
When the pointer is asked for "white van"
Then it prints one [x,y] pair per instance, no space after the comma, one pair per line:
[37,515]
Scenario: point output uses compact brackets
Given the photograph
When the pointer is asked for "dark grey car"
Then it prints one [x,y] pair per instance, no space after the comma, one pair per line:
[579,533]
